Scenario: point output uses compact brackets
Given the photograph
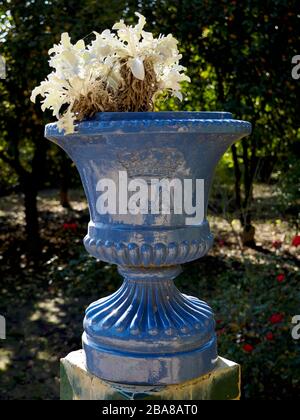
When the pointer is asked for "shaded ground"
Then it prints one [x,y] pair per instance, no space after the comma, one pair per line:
[44,305]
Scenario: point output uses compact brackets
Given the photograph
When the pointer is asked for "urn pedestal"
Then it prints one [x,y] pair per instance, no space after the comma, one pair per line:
[222,384]
[147,332]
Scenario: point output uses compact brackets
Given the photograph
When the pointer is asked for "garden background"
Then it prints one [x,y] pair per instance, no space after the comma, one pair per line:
[239,57]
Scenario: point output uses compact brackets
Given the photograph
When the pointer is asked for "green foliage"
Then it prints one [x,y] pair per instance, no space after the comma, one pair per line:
[245,302]
[289,184]
[238,57]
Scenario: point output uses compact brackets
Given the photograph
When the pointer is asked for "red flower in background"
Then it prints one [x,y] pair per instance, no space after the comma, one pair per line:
[270,336]
[70,226]
[248,348]
[296,241]
[277,244]
[280,278]
[221,331]
[221,243]
[276,319]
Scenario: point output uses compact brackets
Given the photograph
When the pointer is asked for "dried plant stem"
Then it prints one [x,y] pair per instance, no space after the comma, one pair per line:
[132,94]
[99,99]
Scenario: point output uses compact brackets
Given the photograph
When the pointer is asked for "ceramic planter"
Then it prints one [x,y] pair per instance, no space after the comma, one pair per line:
[148,332]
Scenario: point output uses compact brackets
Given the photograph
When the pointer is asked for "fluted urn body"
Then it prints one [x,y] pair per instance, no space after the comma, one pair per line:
[147,178]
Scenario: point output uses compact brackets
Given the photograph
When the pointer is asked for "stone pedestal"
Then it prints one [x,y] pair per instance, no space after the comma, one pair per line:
[223,383]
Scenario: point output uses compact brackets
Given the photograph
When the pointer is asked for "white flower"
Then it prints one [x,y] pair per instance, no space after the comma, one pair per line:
[66,122]
[78,68]
[137,67]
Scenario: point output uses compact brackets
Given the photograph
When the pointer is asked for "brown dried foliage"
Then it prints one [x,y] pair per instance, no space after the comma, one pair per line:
[99,99]
[136,95]
[132,95]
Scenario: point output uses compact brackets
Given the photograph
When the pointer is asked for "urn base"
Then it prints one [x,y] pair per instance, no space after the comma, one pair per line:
[145,369]
[148,332]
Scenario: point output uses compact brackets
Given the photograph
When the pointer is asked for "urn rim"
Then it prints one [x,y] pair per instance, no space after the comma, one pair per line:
[180,122]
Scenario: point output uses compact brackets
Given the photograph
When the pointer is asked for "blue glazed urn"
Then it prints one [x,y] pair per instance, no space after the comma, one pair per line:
[148,332]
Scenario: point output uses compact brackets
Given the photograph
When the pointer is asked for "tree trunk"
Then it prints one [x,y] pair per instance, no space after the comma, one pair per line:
[248,235]
[64,169]
[32,223]
[64,185]
[238,179]
[243,206]
[64,198]
[31,182]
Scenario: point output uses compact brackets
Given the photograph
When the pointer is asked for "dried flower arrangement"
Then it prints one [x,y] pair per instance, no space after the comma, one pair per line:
[123,71]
